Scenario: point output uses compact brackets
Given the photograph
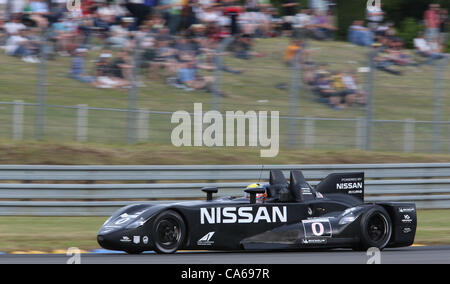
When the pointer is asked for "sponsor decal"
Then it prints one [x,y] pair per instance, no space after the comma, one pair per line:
[349,185]
[314,241]
[406,219]
[406,230]
[353,185]
[306,190]
[125,239]
[245,215]
[317,227]
[136,239]
[145,240]
[206,240]
[319,195]
[406,210]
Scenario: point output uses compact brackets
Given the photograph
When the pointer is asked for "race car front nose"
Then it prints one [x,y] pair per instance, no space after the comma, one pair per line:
[107,240]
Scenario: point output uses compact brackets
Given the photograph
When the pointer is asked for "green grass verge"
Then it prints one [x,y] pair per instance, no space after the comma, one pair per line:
[433,227]
[153,154]
[59,233]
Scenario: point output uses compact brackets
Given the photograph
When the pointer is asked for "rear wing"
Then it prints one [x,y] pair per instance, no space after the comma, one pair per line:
[346,183]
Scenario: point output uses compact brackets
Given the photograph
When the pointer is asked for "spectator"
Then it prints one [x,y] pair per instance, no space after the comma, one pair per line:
[290,8]
[383,60]
[38,7]
[14,26]
[188,76]
[327,94]
[121,68]
[350,81]
[360,35]
[322,27]
[374,15]
[431,50]
[432,21]
[77,70]
[20,45]
[120,34]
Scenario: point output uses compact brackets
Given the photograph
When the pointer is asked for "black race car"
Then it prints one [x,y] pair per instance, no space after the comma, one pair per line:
[278,216]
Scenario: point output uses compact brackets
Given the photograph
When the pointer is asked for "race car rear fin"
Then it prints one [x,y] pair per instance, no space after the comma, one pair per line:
[299,187]
[347,183]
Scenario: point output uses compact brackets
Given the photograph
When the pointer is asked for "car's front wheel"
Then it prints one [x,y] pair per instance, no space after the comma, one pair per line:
[168,232]
[375,229]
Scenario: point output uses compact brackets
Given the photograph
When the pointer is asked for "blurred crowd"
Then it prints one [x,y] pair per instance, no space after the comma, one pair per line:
[177,38]
[381,34]
[178,41]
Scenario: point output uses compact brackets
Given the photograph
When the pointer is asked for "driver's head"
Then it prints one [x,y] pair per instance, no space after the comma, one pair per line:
[260,197]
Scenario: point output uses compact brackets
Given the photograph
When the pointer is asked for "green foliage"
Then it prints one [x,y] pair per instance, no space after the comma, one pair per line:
[409,29]
[398,10]
[347,12]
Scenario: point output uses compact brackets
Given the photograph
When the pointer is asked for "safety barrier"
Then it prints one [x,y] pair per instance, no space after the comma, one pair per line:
[82,191]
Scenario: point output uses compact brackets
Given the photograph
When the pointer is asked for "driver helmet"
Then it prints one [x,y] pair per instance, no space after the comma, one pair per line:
[260,197]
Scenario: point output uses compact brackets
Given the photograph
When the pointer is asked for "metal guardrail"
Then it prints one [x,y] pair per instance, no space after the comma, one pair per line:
[426,184]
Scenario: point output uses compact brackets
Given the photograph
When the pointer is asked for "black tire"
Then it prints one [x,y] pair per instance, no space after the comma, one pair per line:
[168,232]
[375,229]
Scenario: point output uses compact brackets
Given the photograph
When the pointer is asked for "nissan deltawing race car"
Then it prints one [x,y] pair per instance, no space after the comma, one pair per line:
[278,216]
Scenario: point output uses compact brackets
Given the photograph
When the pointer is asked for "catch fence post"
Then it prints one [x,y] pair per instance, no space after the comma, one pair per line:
[218,62]
[41,89]
[309,136]
[369,104]
[294,97]
[142,125]
[359,133]
[82,123]
[409,135]
[133,95]
[17,120]
[438,88]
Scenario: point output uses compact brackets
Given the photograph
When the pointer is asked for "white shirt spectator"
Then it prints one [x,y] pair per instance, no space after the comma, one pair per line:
[119,31]
[210,16]
[112,10]
[349,82]
[206,3]
[422,45]
[302,20]
[13,43]
[13,28]
[375,14]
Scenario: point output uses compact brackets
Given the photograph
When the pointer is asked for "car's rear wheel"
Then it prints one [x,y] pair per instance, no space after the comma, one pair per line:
[168,232]
[375,229]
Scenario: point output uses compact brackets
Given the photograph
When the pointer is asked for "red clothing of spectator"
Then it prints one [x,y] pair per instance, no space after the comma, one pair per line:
[86,6]
[432,19]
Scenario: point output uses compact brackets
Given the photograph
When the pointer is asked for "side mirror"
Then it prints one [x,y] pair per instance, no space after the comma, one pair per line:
[209,192]
[253,192]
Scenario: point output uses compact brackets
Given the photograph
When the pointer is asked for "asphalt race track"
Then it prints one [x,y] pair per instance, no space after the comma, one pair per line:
[428,254]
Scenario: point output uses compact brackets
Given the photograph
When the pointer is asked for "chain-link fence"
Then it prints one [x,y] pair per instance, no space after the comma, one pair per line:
[400,106]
